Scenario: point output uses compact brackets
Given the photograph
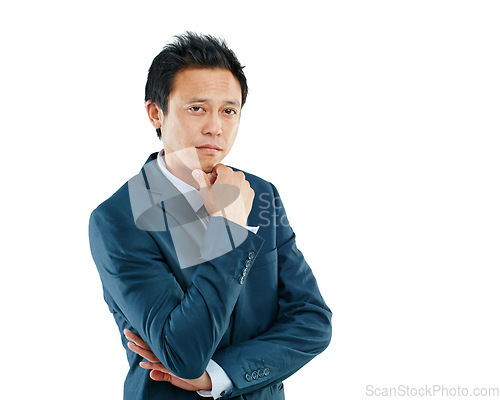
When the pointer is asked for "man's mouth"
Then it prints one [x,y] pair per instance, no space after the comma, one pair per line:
[209,148]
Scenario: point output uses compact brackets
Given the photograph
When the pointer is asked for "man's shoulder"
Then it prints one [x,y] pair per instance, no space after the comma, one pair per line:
[116,205]
[119,201]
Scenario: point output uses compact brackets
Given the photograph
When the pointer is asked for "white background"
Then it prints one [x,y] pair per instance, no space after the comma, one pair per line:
[378,121]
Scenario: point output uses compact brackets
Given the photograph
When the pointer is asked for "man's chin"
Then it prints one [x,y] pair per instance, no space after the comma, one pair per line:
[189,161]
[208,165]
[208,169]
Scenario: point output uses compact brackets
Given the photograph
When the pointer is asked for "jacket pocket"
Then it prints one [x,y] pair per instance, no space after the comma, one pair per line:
[265,258]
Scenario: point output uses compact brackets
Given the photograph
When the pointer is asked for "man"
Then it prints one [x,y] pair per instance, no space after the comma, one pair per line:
[198,262]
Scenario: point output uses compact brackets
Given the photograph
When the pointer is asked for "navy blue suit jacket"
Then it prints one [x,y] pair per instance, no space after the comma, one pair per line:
[253,307]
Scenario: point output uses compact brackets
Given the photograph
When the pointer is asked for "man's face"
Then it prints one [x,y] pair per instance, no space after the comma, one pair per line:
[203,109]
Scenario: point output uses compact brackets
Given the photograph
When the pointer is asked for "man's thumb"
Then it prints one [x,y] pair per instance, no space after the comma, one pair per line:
[200,177]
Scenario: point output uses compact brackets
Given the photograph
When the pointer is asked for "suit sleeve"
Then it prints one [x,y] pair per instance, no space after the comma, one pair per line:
[302,329]
[182,328]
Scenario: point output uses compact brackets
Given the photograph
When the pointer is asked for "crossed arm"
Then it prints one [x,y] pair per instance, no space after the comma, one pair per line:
[149,297]
[167,318]
[301,331]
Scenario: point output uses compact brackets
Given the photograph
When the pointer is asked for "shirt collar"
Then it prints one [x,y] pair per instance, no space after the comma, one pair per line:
[191,194]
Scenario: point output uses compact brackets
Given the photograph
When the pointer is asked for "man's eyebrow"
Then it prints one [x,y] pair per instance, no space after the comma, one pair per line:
[234,103]
[197,100]
[201,100]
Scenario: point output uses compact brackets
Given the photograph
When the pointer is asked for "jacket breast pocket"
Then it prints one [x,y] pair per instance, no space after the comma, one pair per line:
[266,258]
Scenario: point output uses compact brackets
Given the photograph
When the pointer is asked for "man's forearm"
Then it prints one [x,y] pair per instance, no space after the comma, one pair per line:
[182,329]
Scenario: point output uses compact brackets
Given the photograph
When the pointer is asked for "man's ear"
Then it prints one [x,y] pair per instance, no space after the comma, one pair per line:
[155,114]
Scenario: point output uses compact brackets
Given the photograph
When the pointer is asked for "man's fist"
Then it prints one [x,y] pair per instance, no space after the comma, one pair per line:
[225,193]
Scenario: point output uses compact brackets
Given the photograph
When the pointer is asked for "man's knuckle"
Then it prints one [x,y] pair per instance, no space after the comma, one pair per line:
[223,171]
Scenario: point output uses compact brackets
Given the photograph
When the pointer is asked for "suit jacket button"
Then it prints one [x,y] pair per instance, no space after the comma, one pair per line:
[241,280]
[248,377]
[255,375]
[247,263]
[251,255]
[261,373]
[266,371]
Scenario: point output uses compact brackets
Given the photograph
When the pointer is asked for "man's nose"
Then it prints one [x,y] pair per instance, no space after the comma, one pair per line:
[213,125]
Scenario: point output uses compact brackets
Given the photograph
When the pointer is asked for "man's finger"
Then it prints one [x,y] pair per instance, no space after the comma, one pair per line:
[212,176]
[154,365]
[136,339]
[202,178]
[218,167]
[147,354]
[159,376]
[163,377]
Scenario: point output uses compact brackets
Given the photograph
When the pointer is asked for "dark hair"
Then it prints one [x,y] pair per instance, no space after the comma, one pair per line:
[190,50]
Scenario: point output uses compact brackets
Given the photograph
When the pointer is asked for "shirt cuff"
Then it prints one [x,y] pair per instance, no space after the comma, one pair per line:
[221,384]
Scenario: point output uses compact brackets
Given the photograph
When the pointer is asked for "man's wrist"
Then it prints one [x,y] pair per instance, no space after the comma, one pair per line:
[223,215]
[221,237]
[221,384]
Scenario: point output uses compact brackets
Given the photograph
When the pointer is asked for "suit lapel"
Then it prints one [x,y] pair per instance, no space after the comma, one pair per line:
[151,195]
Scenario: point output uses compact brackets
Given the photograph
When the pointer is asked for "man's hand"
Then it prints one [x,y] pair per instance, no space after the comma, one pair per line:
[225,193]
[159,372]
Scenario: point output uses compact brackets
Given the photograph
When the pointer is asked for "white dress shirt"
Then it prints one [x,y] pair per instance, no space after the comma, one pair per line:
[221,384]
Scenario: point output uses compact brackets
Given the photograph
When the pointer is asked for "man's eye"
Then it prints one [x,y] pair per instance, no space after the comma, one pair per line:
[195,108]
[229,111]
